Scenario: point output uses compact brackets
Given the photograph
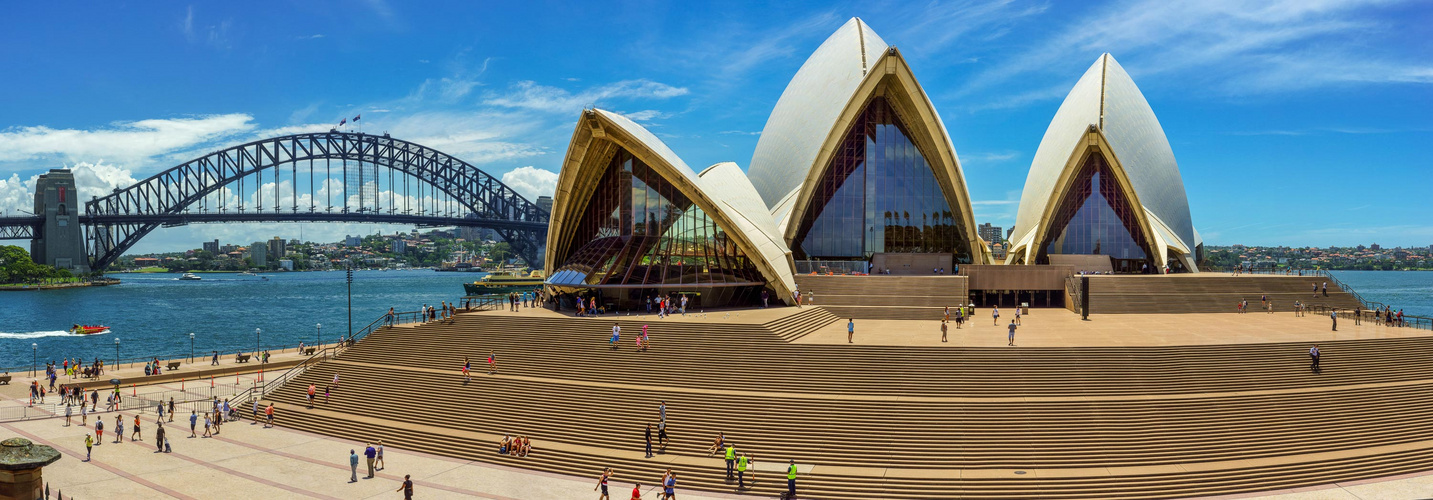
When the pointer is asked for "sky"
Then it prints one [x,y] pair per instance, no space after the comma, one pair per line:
[1299,123]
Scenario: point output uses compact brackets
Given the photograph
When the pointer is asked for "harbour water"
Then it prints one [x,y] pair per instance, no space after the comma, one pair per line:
[153,314]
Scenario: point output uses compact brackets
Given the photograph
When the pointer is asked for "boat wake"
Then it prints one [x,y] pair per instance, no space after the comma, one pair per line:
[35,335]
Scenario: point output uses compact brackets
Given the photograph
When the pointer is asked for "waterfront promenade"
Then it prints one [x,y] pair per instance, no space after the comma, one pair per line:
[387,394]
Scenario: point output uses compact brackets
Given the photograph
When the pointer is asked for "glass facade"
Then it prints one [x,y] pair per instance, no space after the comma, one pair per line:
[1095,218]
[639,232]
[878,195]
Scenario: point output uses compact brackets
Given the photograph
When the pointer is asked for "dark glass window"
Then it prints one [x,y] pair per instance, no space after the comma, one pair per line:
[878,195]
[1095,218]
[638,229]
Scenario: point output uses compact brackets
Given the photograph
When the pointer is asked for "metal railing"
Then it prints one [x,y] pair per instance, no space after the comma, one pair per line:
[1376,317]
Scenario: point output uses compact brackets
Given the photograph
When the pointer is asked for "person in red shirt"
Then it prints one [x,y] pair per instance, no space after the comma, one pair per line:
[269,415]
[636,492]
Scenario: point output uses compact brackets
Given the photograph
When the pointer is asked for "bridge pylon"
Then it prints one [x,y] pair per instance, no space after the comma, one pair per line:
[60,240]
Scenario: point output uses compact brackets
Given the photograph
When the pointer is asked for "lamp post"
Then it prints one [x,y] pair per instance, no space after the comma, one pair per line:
[350,301]
[191,347]
[116,353]
[319,327]
[257,332]
[34,357]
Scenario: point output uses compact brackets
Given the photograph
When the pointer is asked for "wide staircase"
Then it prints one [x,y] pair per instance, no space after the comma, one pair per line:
[1206,293]
[886,422]
[886,297]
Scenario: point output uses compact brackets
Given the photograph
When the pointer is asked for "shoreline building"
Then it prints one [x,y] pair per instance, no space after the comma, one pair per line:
[1104,191]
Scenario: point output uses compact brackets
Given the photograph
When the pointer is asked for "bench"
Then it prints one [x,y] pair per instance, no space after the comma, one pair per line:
[173,365]
[4,380]
[241,358]
[309,351]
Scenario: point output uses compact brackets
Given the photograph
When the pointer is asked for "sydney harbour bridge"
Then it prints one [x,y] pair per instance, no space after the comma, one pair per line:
[319,177]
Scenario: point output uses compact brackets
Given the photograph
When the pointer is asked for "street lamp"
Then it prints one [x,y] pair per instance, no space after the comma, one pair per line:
[350,301]
[34,357]
[319,326]
[116,353]
[256,343]
[191,347]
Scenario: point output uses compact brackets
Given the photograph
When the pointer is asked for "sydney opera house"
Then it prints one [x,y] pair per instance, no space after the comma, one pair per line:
[854,172]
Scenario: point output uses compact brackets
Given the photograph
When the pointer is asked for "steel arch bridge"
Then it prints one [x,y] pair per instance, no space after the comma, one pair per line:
[376,179]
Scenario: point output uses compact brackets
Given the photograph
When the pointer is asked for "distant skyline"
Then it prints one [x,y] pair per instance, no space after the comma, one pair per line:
[1297,123]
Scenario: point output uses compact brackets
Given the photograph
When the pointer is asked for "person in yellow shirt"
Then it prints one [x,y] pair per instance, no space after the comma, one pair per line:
[730,460]
[791,480]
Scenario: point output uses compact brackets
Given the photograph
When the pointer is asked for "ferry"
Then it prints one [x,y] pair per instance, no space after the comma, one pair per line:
[499,282]
[190,277]
[88,329]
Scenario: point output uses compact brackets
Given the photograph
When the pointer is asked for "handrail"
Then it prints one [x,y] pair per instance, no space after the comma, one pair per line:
[1415,322]
[384,321]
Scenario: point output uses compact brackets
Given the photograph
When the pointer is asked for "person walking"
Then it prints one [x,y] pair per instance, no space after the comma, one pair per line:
[741,472]
[406,487]
[1314,359]
[850,330]
[616,336]
[312,391]
[602,483]
[765,297]
[136,435]
[99,430]
[353,466]
[89,445]
[171,408]
[159,438]
[215,361]
[791,480]
[730,460]
[943,330]
[119,428]
[492,362]
[193,422]
[1017,315]
[1358,316]
[996,313]
[1333,315]
[84,414]
[1012,332]
[1326,289]
[69,411]
[372,455]
[269,416]
[669,485]
[467,377]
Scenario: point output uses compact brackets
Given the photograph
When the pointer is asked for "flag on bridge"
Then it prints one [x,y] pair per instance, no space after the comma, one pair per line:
[343,121]
[355,119]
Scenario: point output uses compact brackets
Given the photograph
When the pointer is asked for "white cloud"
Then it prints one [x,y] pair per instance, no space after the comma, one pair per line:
[530,95]
[91,179]
[646,115]
[124,141]
[531,182]
[1228,46]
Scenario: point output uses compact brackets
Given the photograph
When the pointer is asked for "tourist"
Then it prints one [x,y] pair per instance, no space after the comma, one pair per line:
[84,414]
[741,472]
[335,380]
[136,435]
[1017,315]
[1358,315]
[466,365]
[208,422]
[1326,289]
[637,491]
[215,361]
[995,312]
[504,445]
[492,362]
[669,485]
[406,487]
[616,335]
[730,460]
[959,317]
[684,305]
[1314,359]
[765,298]
[327,389]
[99,430]
[716,445]
[69,410]
[943,329]
[171,408]
[1333,315]
[371,454]
[269,416]
[649,440]
[255,415]
[378,461]
[119,428]
[602,483]
[89,445]
[159,438]
[850,330]
[1012,332]
[312,391]
[643,341]
[352,466]
[791,480]
[193,422]
[1316,289]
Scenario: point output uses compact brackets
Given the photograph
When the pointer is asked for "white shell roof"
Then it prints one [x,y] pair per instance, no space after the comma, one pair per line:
[808,109]
[1107,98]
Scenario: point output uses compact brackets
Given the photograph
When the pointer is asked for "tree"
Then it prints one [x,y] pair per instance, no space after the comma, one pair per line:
[500,252]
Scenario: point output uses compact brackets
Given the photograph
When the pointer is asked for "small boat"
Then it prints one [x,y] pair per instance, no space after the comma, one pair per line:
[190,277]
[88,329]
[504,282]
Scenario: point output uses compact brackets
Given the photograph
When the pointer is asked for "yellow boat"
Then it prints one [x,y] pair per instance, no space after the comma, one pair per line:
[499,282]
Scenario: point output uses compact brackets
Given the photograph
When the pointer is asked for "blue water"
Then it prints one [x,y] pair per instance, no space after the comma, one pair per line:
[1411,291]
[152,314]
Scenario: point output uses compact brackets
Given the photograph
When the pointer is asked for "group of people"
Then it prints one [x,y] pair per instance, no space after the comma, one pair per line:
[666,305]
[589,307]
[643,340]
[152,367]
[76,369]
[444,312]
[525,299]
[468,367]
[518,446]
[668,484]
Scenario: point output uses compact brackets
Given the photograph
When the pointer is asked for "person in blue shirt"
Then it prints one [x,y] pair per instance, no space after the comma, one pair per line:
[353,466]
